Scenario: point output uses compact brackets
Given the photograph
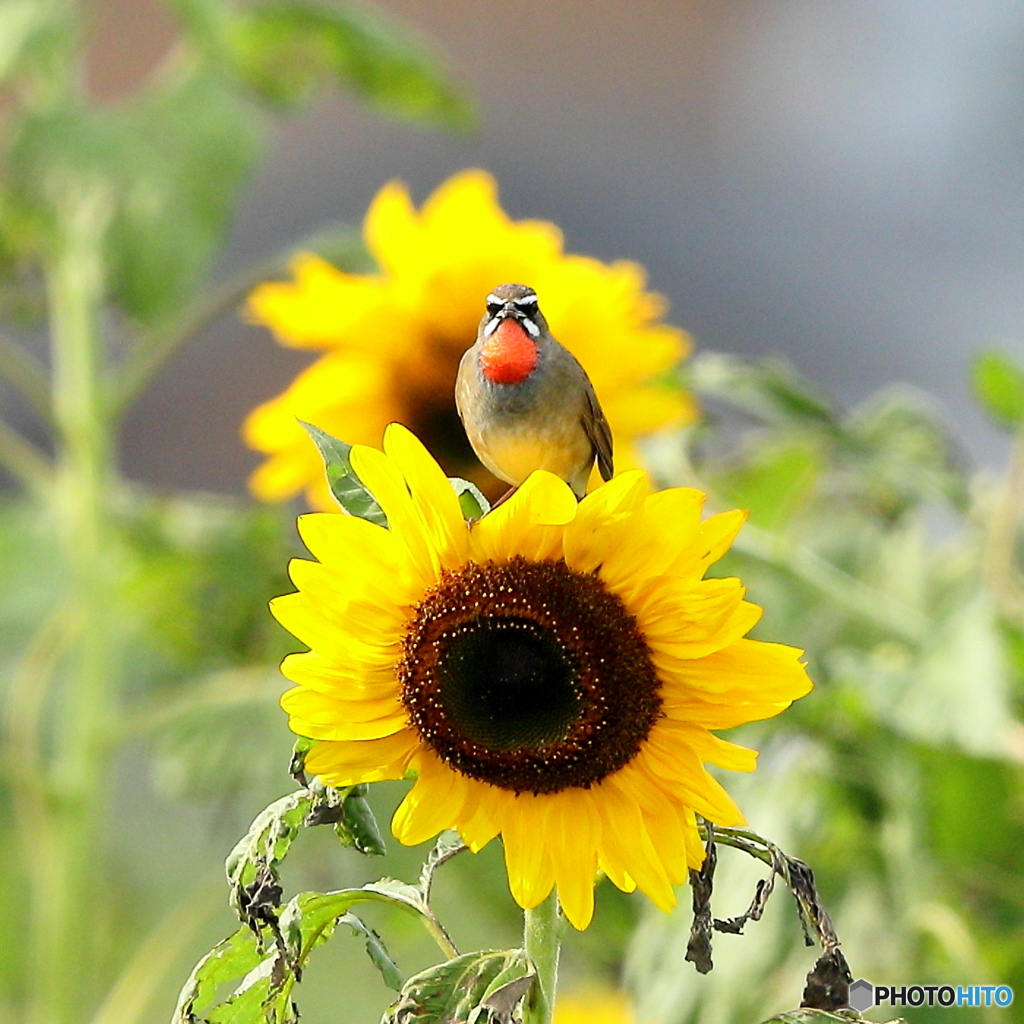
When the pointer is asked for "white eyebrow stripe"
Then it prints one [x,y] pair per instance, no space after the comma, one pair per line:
[495,300]
[526,300]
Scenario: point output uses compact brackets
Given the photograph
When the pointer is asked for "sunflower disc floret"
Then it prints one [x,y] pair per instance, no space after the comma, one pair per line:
[551,673]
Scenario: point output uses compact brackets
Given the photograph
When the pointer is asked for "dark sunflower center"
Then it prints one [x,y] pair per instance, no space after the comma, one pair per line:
[528,675]
[507,684]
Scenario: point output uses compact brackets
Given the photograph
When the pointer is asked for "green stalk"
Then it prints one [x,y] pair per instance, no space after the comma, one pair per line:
[542,935]
[64,860]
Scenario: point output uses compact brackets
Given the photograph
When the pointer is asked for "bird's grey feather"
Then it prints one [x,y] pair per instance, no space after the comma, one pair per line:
[600,434]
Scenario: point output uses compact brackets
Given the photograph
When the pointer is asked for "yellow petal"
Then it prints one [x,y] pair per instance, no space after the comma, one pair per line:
[315,628]
[390,223]
[572,828]
[383,479]
[432,805]
[663,528]
[348,763]
[758,670]
[346,681]
[528,523]
[530,876]
[321,717]
[603,521]
[626,844]
[433,495]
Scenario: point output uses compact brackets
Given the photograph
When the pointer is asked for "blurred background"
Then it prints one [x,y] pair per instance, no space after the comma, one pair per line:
[836,183]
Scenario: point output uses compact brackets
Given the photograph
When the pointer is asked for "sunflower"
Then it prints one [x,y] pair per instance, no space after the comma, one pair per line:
[392,340]
[550,673]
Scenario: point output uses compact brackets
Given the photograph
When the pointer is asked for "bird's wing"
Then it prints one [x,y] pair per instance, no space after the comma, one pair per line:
[600,434]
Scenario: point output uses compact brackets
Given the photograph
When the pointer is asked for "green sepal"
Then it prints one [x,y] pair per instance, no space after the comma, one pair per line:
[347,488]
[357,826]
[998,384]
[476,988]
[297,766]
[471,499]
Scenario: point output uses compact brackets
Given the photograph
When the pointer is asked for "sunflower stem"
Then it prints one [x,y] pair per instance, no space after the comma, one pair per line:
[542,940]
[440,936]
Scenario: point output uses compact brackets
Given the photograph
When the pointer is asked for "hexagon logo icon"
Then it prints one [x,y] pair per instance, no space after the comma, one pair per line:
[862,995]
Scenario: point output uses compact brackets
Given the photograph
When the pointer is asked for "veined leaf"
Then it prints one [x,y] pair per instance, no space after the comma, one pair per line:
[476,988]
[347,488]
[357,826]
[252,866]
[266,972]
[233,958]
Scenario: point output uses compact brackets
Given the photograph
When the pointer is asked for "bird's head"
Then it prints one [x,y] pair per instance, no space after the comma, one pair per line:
[509,334]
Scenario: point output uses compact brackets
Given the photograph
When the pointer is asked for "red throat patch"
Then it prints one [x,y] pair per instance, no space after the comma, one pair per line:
[509,355]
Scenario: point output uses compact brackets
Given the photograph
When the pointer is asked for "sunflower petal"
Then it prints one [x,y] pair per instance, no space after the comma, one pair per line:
[432,805]
[572,827]
[527,861]
[529,523]
[432,493]
[603,520]
[382,478]
[349,763]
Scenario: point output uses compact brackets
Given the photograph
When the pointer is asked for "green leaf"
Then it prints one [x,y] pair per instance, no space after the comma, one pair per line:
[348,490]
[476,988]
[376,951]
[808,1016]
[775,482]
[268,975]
[297,767]
[187,147]
[166,167]
[998,384]
[357,826]
[252,865]
[772,390]
[287,51]
[26,27]
[233,958]
[957,691]
[471,499]
[310,919]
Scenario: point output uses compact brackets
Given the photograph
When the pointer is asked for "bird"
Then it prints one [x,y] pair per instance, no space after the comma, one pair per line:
[525,401]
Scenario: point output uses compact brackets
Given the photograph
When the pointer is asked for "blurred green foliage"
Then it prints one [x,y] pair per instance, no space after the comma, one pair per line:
[140,727]
[139,662]
[873,546]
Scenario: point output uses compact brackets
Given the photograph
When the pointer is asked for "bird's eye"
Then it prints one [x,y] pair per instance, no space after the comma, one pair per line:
[528,306]
[493,308]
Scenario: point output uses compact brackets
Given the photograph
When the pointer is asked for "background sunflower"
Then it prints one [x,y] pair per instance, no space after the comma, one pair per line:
[393,339]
